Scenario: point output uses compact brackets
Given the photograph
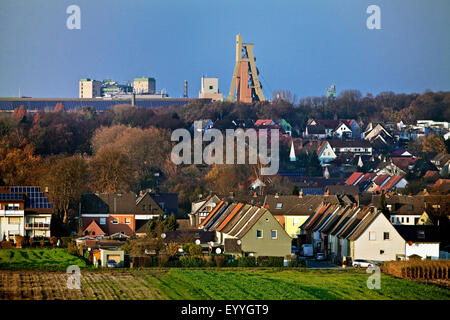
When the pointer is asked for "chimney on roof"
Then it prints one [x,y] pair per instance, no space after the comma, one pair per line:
[231,194]
[46,189]
[277,195]
[141,193]
[326,192]
[254,195]
[300,194]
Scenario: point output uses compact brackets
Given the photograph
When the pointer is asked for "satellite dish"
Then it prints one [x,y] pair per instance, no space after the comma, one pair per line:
[218,251]
[239,242]
[197,241]
[163,235]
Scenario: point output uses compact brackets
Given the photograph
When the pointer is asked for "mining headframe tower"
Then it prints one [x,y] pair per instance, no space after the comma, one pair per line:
[245,76]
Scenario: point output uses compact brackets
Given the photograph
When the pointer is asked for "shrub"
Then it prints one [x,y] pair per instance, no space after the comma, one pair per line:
[297,263]
[72,249]
[53,241]
[195,250]
[418,269]
[219,260]
[264,261]
[6,245]
[19,241]
[31,241]
[162,260]
[42,242]
[246,262]
[191,262]
[209,261]
[65,241]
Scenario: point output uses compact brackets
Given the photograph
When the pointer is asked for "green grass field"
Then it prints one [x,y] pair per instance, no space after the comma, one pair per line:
[38,259]
[217,284]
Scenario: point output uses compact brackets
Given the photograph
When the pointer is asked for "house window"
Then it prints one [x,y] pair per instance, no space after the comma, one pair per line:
[115,221]
[386,235]
[403,219]
[143,207]
[295,221]
[259,234]
[127,220]
[279,205]
[381,251]
[392,219]
[102,220]
[371,235]
[14,220]
[421,234]
[407,219]
[273,234]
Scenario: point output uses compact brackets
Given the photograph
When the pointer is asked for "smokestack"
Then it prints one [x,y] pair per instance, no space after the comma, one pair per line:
[185,95]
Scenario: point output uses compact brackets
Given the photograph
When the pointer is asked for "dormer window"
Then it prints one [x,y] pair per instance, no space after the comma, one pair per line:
[279,205]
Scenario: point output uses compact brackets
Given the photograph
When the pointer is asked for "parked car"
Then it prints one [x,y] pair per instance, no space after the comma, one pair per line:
[320,256]
[112,264]
[361,263]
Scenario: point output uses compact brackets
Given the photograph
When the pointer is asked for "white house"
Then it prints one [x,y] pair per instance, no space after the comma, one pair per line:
[421,240]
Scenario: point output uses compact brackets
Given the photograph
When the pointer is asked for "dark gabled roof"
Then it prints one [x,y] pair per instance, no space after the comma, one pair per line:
[189,236]
[237,217]
[349,143]
[311,222]
[217,222]
[92,203]
[342,189]
[293,205]
[402,204]
[353,223]
[329,225]
[167,201]
[232,246]
[343,219]
[214,215]
[250,222]
[325,217]
[366,221]
[317,129]
[420,233]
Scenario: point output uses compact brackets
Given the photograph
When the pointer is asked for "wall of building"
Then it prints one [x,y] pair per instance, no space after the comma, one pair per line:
[370,249]
[266,246]
[423,249]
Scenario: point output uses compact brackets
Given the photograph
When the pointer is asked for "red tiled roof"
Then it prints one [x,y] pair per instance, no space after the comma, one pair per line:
[380,179]
[261,122]
[367,176]
[352,179]
[431,174]
[391,183]
[94,229]
[403,162]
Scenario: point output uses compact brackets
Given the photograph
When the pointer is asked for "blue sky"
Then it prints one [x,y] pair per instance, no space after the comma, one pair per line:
[300,45]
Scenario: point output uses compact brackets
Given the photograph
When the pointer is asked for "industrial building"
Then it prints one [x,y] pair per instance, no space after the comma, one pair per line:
[210,89]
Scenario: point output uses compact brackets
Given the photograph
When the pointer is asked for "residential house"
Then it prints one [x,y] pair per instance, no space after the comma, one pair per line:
[253,230]
[420,240]
[343,128]
[122,213]
[292,211]
[24,211]
[355,146]
[201,208]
